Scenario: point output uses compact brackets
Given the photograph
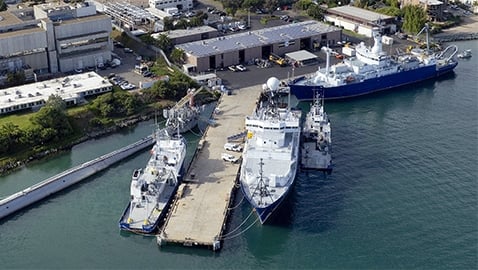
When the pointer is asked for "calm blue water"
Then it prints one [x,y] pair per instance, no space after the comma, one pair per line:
[403,195]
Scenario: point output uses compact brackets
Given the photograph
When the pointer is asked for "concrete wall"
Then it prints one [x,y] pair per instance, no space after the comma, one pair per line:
[83,61]
[364,30]
[252,53]
[286,47]
[83,27]
[24,41]
[191,38]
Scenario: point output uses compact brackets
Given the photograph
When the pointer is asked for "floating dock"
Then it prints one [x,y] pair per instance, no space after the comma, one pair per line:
[199,212]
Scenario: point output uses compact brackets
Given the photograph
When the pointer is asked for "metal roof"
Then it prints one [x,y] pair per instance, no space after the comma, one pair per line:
[256,38]
[362,14]
[185,32]
[301,55]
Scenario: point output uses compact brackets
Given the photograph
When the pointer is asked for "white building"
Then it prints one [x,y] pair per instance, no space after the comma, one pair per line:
[360,20]
[72,89]
[164,4]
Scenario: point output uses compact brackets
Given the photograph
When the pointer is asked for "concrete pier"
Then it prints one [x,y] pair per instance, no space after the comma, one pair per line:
[199,212]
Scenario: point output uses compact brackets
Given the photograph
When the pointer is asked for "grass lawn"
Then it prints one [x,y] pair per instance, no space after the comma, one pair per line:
[21,120]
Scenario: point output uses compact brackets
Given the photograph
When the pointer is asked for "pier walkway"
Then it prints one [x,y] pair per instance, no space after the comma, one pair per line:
[199,212]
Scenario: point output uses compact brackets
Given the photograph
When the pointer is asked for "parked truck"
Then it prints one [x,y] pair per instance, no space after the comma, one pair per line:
[278,60]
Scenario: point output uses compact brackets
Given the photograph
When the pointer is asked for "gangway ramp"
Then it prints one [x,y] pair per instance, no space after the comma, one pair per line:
[199,212]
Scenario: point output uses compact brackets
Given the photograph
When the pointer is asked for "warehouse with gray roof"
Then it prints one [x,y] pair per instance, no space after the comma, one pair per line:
[240,48]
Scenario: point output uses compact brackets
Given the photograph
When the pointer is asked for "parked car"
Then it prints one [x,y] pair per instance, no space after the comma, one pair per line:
[233,147]
[229,158]
[191,13]
[232,68]
[128,50]
[241,68]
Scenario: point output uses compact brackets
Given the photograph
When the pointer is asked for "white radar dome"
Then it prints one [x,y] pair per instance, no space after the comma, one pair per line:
[273,83]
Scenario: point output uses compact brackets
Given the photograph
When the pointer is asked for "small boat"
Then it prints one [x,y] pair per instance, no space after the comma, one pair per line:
[185,114]
[316,138]
[271,152]
[152,189]
[465,54]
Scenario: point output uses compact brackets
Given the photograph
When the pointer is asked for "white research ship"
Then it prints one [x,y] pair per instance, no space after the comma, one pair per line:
[153,188]
[271,152]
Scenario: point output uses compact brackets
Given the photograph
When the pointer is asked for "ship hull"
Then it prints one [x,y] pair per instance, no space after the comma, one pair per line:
[153,188]
[306,92]
[150,228]
[264,213]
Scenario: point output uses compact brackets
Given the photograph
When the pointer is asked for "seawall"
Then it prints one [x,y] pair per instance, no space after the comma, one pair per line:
[67,178]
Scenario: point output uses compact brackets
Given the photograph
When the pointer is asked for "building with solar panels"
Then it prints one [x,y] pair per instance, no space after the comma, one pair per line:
[224,51]
[360,20]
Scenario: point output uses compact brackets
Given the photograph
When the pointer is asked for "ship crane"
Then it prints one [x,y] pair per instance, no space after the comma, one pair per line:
[427,41]
[188,98]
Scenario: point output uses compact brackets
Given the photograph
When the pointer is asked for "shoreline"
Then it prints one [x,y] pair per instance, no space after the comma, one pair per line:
[467,30]
[126,123]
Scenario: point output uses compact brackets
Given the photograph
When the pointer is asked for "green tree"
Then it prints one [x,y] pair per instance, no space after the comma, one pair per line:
[181,24]
[168,24]
[252,4]
[16,78]
[10,137]
[177,55]
[3,6]
[53,116]
[271,5]
[164,42]
[231,6]
[115,104]
[303,4]
[316,12]
[415,18]
[391,11]
[195,21]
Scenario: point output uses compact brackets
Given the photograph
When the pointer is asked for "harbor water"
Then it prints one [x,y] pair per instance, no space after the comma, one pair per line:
[403,195]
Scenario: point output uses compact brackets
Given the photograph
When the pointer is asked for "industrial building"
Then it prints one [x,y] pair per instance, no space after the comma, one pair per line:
[72,89]
[360,20]
[229,50]
[181,36]
[53,37]
[165,4]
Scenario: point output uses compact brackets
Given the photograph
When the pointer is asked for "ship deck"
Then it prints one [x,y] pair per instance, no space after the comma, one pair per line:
[198,214]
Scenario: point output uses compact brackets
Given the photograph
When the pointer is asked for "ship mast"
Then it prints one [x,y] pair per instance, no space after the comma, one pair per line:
[327,62]
[261,186]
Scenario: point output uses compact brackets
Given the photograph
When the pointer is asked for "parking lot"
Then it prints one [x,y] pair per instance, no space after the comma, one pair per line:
[126,69]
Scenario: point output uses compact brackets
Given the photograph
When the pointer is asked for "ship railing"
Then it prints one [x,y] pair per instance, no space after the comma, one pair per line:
[442,54]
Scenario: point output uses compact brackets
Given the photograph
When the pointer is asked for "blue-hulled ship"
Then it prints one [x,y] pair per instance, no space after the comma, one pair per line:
[372,70]
[271,152]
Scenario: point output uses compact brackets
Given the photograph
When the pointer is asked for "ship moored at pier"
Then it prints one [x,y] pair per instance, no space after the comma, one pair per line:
[372,70]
